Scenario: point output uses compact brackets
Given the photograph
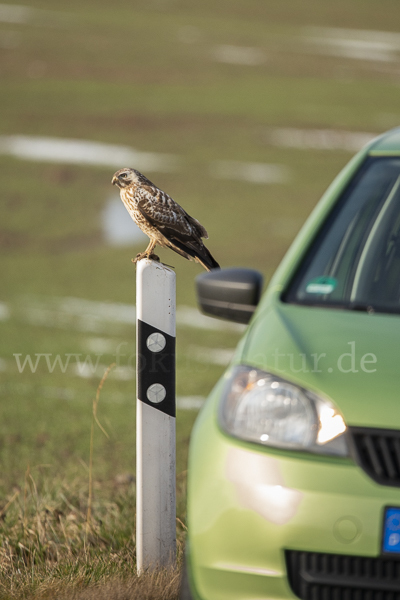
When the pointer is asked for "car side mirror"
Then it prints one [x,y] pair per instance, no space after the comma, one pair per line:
[231,294]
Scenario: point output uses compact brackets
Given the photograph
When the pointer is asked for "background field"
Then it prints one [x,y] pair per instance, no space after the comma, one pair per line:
[244,110]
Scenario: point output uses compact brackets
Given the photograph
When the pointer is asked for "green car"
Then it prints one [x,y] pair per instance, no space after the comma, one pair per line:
[294,463]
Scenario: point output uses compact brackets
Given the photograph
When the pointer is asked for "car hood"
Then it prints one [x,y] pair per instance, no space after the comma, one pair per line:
[350,357]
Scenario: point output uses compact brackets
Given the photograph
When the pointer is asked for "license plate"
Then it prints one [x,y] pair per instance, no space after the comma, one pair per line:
[391,531]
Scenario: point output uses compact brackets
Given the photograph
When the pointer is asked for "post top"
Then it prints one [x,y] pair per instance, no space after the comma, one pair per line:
[156,295]
[148,263]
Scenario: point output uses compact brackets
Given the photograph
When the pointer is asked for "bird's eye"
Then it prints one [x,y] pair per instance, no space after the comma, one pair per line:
[124,175]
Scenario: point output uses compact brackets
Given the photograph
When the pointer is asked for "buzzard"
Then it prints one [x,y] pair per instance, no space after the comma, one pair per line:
[162,219]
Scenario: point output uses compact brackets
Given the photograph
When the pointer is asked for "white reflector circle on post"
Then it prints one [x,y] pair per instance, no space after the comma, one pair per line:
[156,342]
[156,393]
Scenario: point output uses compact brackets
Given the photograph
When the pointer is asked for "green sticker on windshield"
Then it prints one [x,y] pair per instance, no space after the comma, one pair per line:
[321,285]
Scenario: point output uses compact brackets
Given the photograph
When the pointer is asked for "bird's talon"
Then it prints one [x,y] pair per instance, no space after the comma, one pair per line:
[144,255]
[138,257]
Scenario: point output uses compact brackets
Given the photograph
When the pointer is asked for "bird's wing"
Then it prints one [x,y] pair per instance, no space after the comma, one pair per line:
[167,215]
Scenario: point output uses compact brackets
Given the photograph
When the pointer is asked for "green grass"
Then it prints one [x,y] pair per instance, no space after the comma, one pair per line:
[143,75]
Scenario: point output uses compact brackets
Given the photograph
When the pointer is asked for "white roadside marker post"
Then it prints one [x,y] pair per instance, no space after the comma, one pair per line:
[155,416]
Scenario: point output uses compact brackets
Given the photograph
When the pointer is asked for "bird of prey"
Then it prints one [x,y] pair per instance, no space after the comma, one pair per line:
[162,219]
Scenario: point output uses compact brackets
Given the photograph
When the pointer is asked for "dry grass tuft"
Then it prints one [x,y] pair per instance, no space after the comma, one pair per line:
[47,551]
[161,585]
[158,585]
[74,539]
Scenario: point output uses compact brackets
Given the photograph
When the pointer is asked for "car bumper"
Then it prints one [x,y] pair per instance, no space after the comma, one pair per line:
[248,504]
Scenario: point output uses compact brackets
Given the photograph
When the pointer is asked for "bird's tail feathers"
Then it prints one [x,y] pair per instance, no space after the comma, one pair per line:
[207,260]
[198,252]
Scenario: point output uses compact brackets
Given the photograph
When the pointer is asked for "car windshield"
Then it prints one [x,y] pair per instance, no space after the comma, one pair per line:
[354,262]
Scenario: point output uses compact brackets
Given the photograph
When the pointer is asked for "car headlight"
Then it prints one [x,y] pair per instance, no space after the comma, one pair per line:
[260,407]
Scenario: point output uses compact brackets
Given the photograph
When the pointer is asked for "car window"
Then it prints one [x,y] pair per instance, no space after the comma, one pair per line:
[354,262]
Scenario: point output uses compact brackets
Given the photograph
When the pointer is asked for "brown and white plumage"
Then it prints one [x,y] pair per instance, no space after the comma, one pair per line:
[162,219]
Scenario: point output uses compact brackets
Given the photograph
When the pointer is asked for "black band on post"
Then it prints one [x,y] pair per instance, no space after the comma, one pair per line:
[156,368]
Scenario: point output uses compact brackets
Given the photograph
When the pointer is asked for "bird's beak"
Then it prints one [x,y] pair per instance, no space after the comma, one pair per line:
[114,180]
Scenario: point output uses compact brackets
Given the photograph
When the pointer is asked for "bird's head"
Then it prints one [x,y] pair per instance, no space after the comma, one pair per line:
[125,177]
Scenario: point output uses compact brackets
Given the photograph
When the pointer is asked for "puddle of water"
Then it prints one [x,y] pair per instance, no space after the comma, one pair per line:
[71,394]
[22,15]
[239,55]
[83,152]
[4,312]
[190,402]
[357,44]
[77,314]
[320,139]
[191,317]
[118,227]
[356,49]
[10,13]
[215,356]
[252,172]
[104,317]
[101,345]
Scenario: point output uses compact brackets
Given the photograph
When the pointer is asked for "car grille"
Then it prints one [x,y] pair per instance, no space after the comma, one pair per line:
[314,576]
[377,452]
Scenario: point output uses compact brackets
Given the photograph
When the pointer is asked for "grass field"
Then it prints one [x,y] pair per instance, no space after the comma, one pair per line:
[222,87]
